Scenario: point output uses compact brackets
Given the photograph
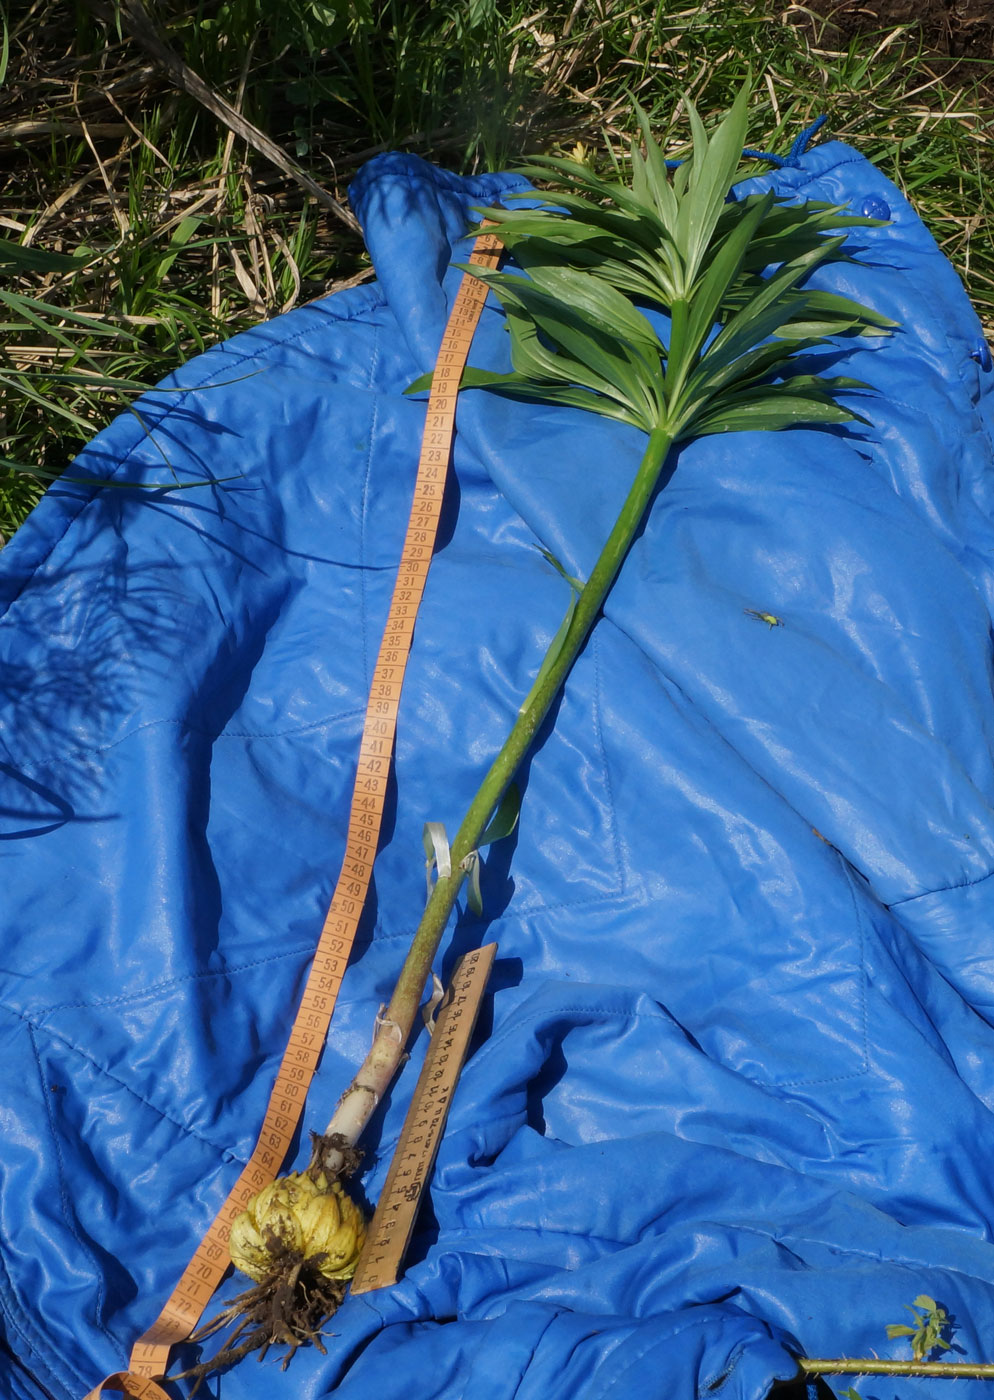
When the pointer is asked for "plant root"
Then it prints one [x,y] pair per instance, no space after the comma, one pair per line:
[292,1304]
[331,1148]
[290,1307]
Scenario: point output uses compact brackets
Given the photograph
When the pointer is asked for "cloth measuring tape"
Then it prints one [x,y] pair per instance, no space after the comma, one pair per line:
[183,1309]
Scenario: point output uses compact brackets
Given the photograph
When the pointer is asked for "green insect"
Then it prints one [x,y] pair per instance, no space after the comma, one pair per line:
[766,617]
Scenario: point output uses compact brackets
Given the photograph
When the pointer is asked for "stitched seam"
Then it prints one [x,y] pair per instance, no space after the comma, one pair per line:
[55,762]
[534,1352]
[915,410]
[539,908]
[513,1030]
[694,1324]
[620,864]
[864,1006]
[224,1151]
[515,916]
[176,403]
[578,1234]
[940,889]
[95,1312]
[20,1320]
[130,998]
[20,1372]
[838,1249]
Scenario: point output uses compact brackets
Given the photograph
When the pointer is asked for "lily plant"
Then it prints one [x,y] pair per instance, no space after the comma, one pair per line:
[730,272]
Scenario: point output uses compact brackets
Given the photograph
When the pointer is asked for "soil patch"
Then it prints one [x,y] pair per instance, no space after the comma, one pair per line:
[958,30]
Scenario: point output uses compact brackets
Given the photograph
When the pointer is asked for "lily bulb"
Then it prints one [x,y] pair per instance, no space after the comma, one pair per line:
[316,1220]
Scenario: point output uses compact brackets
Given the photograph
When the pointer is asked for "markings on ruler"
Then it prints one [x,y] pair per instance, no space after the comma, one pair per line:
[389,1234]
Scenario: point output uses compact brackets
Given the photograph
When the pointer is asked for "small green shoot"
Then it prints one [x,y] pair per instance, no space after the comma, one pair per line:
[926,1334]
[930,1321]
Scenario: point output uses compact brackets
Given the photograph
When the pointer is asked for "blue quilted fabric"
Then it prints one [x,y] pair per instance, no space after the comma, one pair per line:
[730,1098]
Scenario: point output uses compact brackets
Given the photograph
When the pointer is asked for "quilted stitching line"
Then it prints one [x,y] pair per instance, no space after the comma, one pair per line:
[18,1320]
[864,1004]
[316,726]
[222,1150]
[620,862]
[941,889]
[367,305]
[96,1311]
[130,998]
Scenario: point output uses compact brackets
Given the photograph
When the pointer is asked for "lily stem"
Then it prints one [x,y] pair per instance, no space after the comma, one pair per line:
[394,1027]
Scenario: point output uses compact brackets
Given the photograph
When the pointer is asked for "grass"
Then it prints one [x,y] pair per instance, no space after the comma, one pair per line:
[180,233]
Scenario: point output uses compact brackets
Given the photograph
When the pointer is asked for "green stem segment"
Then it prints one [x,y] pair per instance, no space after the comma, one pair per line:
[417,967]
[873,1366]
[396,1024]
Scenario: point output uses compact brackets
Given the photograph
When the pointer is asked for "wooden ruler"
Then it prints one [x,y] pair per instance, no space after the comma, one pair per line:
[186,1304]
[388,1236]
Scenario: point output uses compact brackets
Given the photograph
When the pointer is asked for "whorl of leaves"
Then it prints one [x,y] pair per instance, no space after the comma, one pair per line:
[729,272]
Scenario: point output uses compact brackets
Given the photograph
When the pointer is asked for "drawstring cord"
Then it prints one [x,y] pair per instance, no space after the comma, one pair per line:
[793,156]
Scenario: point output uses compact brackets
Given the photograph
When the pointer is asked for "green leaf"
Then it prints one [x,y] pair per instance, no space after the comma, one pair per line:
[712,290]
[474,896]
[479,12]
[568,397]
[519,386]
[29,259]
[553,653]
[550,558]
[599,303]
[625,203]
[529,225]
[182,234]
[758,364]
[103,483]
[770,413]
[681,242]
[585,352]
[42,315]
[505,819]
[424,381]
[766,311]
[835,315]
